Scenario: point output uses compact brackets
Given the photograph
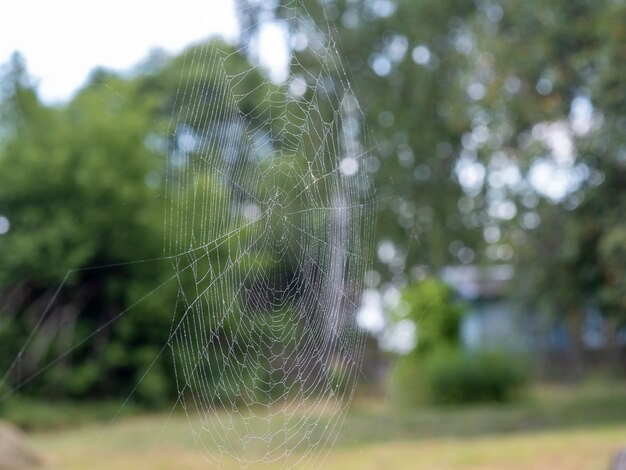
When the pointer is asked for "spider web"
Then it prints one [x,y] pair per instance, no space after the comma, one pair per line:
[268,228]
[273,213]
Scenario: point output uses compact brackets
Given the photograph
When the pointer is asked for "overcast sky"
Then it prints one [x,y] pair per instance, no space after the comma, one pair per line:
[63,40]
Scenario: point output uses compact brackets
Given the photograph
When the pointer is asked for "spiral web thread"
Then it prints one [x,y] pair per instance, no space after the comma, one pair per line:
[269,223]
[268,228]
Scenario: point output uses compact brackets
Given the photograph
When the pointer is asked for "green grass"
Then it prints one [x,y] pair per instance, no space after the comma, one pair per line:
[545,408]
[561,428]
[34,415]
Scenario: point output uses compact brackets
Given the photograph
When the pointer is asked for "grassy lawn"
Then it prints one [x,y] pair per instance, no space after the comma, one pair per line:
[554,428]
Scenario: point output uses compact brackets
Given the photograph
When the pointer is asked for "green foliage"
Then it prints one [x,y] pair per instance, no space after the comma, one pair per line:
[74,190]
[340,379]
[451,376]
[82,187]
[612,251]
[495,74]
[407,383]
[437,370]
[430,304]
[418,114]
[563,266]
[154,385]
[81,184]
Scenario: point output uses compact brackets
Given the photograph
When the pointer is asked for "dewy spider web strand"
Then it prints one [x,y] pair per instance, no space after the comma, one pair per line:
[319,228]
[268,229]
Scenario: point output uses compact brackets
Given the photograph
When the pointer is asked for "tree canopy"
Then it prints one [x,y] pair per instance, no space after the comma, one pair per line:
[498,129]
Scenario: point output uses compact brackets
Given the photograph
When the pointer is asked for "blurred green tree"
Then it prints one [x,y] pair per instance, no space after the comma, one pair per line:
[499,130]
[74,199]
[82,194]
[432,307]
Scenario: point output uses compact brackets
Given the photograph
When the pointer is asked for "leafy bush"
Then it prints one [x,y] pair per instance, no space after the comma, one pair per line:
[451,376]
[432,306]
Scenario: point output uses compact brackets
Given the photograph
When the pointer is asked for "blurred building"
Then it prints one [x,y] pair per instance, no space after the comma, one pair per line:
[491,322]
[495,322]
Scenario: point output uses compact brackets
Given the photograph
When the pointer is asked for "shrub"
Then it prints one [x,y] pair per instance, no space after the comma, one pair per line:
[437,370]
[451,376]
[431,305]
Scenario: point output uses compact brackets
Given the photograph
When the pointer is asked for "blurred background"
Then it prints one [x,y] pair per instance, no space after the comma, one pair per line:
[494,311]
